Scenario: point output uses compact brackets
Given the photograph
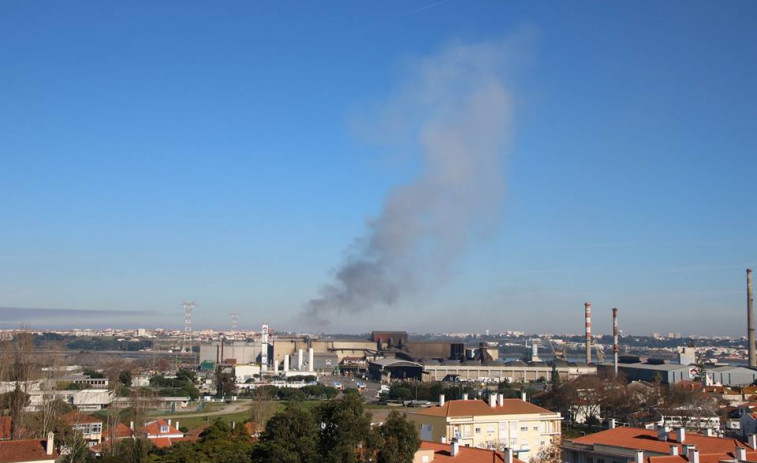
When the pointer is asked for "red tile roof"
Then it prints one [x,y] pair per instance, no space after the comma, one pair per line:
[703,458]
[454,408]
[163,442]
[690,385]
[153,428]
[25,450]
[5,427]
[77,417]
[122,432]
[646,439]
[442,453]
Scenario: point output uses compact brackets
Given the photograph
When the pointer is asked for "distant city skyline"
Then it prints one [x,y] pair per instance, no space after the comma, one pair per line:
[416,165]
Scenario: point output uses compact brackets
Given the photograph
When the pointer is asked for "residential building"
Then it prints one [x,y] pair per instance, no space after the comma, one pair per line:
[747,419]
[29,451]
[501,423]
[89,427]
[162,433]
[140,381]
[620,445]
[455,453]
[112,436]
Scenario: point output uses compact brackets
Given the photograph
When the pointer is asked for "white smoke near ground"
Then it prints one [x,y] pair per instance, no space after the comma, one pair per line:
[456,108]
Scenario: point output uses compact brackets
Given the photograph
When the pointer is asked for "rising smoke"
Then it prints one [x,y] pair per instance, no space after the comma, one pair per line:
[455,107]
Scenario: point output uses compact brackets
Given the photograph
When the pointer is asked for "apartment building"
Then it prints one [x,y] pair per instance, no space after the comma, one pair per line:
[453,453]
[621,445]
[499,424]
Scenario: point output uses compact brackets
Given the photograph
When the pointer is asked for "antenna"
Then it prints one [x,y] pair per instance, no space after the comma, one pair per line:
[234,320]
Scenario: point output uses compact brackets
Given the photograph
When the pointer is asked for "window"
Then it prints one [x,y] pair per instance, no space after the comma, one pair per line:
[589,460]
[524,428]
[164,429]
[478,430]
[536,428]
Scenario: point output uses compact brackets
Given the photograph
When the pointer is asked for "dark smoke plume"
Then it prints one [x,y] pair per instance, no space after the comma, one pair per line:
[456,109]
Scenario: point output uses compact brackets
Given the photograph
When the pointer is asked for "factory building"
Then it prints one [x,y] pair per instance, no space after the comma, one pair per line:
[238,352]
[634,369]
[500,372]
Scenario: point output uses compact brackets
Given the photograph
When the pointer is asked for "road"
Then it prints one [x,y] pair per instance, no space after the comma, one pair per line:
[226,409]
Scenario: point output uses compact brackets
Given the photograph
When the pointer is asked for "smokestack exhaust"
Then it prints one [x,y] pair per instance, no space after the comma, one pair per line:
[587,307]
[615,339]
[453,111]
[750,318]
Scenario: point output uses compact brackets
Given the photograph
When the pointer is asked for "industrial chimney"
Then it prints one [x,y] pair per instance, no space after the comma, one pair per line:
[615,339]
[750,318]
[588,332]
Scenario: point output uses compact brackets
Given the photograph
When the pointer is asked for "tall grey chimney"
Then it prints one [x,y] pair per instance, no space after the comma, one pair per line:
[750,318]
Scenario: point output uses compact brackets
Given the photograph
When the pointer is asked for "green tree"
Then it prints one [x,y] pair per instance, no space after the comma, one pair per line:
[400,393]
[345,435]
[288,393]
[219,443]
[186,375]
[125,377]
[224,382]
[398,440]
[290,436]
[92,373]
[135,450]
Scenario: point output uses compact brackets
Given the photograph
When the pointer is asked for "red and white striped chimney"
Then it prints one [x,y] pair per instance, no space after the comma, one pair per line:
[615,339]
[588,332]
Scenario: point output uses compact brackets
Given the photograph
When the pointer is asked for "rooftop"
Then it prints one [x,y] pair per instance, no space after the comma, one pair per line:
[646,439]
[154,429]
[751,455]
[442,453]
[77,417]
[25,450]
[454,408]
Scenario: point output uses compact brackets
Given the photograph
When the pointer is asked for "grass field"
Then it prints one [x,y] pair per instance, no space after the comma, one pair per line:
[196,421]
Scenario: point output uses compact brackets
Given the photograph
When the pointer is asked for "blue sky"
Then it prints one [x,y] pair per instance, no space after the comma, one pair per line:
[154,152]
